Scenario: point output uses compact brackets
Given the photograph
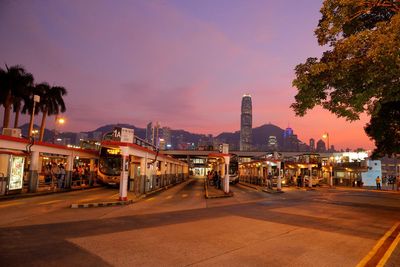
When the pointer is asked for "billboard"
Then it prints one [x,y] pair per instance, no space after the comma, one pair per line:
[16,173]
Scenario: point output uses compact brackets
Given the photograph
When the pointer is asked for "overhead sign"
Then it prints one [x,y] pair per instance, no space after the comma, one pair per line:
[123,135]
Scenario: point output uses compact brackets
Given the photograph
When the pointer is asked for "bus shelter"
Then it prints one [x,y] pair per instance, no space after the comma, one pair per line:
[219,162]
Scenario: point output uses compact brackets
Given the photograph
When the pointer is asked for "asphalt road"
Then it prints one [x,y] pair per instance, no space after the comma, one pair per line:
[179,227]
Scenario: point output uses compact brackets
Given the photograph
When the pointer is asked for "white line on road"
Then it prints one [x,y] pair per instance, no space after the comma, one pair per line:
[50,202]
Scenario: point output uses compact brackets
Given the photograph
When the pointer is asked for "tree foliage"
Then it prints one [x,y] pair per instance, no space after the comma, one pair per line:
[360,70]
[17,86]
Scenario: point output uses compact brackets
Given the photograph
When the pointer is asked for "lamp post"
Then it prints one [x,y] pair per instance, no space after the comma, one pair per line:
[36,99]
[60,121]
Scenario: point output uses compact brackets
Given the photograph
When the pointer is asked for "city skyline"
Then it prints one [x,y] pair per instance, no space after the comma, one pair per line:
[201,69]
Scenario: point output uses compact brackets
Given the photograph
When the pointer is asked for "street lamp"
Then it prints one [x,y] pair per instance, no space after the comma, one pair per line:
[36,99]
[59,121]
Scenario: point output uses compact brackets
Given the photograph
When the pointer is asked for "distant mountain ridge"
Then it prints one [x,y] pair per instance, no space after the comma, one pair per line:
[259,137]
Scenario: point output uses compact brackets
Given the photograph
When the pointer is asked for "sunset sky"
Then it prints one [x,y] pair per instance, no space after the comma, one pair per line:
[183,63]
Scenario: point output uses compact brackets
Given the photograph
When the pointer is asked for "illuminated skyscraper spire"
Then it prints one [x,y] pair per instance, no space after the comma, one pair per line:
[246,123]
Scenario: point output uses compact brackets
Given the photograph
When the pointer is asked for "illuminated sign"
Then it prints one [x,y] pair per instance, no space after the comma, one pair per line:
[16,172]
[113,151]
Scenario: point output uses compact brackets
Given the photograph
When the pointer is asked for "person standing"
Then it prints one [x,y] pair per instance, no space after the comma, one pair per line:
[378,183]
[61,177]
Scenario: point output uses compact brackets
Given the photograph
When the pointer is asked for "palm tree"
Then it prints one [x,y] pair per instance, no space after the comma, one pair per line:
[51,102]
[14,86]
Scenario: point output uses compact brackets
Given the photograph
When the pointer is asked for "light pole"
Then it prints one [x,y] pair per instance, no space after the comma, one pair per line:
[36,99]
[60,121]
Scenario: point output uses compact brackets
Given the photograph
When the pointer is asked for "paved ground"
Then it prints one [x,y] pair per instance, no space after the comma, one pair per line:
[179,227]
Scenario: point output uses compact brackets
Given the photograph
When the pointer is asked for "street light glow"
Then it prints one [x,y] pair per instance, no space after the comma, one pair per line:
[61,120]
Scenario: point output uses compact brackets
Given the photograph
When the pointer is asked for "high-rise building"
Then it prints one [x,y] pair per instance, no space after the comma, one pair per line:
[246,123]
[290,141]
[166,134]
[312,144]
[272,143]
[321,146]
[150,133]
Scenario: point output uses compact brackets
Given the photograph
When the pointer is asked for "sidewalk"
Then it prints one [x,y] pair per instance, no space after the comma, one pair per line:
[213,192]
[45,191]
[262,188]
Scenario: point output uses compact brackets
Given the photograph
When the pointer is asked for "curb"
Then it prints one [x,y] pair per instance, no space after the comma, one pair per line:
[43,193]
[269,191]
[207,196]
[102,204]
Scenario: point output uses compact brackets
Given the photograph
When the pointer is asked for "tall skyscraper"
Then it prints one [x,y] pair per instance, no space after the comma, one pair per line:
[290,141]
[321,146]
[312,144]
[152,133]
[246,123]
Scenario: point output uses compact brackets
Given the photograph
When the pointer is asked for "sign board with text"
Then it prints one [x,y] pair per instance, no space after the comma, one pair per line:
[123,135]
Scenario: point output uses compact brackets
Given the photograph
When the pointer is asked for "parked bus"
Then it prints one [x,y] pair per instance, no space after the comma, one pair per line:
[233,169]
[110,163]
[110,160]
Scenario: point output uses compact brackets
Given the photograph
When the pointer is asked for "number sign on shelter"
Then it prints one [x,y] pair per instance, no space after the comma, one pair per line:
[123,135]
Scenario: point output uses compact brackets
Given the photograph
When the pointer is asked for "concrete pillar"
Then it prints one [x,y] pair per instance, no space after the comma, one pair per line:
[92,175]
[310,176]
[142,177]
[33,172]
[123,184]
[226,169]
[279,182]
[162,172]
[68,171]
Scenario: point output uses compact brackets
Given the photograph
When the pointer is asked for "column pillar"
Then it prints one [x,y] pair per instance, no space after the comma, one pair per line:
[68,171]
[226,180]
[33,172]
[142,178]
[310,176]
[123,184]
[279,183]
[92,174]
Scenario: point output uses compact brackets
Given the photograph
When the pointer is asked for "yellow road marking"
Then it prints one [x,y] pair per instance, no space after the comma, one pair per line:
[10,204]
[150,199]
[375,249]
[389,252]
[168,197]
[49,202]
[184,195]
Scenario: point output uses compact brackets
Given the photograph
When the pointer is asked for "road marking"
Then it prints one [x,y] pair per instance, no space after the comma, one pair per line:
[10,204]
[50,202]
[389,252]
[184,195]
[378,245]
[150,199]
[168,197]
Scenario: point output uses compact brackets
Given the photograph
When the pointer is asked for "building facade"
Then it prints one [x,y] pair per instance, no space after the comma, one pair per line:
[246,124]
